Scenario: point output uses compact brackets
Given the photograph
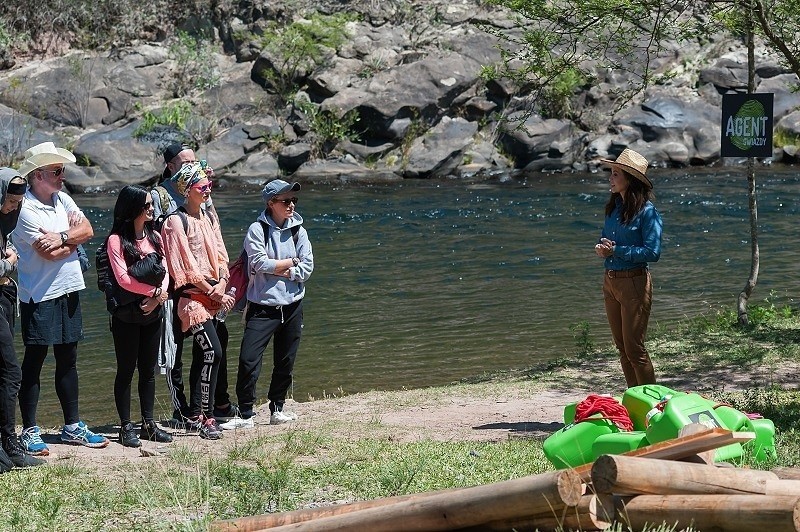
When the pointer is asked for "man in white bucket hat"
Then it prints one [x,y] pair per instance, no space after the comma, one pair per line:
[49,230]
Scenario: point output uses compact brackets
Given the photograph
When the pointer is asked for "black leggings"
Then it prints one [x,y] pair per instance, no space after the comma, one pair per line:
[66,380]
[135,346]
[205,367]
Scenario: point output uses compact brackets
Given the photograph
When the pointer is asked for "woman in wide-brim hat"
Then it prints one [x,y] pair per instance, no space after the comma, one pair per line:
[631,239]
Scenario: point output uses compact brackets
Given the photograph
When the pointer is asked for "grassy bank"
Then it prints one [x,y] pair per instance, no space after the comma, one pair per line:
[310,466]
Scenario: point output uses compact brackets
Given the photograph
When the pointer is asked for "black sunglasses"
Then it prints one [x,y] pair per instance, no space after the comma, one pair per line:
[57,172]
[287,201]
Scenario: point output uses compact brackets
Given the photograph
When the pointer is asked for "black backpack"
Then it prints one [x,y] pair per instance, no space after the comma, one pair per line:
[102,267]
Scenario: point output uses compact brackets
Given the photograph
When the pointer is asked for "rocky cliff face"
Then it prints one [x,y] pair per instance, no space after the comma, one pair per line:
[399,96]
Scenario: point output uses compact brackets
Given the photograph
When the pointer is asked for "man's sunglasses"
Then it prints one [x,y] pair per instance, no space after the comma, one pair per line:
[57,172]
[287,201]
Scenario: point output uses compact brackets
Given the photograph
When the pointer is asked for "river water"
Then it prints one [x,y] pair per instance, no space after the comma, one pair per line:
[423,283]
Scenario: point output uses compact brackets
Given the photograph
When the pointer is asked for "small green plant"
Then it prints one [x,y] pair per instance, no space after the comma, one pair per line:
[556,96]
[783,137]
[172,118]
[194,65]
[18,125]
[300,47]
[583,340]
[328,128]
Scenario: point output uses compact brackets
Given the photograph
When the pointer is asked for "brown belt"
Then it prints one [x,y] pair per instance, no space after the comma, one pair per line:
[624,274]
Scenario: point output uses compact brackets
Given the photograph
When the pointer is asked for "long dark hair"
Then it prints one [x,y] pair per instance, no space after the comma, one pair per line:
[130,204]
[636,196]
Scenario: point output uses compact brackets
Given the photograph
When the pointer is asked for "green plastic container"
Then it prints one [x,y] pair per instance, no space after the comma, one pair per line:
[731,418]
[569,413]
[679,411]
[763,446]
[639,400]
[618,443]
[572,445]
[682,410]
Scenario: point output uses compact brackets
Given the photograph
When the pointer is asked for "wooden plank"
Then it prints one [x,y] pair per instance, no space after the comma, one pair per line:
[682,447]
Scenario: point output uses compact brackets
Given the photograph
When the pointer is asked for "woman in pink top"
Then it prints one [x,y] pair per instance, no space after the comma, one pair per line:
[136,333]
[198,266]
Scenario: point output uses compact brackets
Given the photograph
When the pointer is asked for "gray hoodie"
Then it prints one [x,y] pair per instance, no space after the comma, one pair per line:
[266,288]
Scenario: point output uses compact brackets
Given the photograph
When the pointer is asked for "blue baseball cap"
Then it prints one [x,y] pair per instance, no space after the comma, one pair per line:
[278,186]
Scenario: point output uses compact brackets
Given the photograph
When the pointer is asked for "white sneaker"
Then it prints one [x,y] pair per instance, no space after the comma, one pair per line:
[280,416]
[238,423]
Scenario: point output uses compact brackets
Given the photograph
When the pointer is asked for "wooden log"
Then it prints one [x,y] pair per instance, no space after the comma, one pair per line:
[630,475]
[789,473]
[509,500]
[593,512]
[730,513]
[682,447]
[265,521]
[783,487]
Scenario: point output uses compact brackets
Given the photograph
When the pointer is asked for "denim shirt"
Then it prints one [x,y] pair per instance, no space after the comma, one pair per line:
[637,243]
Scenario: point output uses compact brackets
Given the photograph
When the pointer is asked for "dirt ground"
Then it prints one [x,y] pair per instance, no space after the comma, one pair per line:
[467,412]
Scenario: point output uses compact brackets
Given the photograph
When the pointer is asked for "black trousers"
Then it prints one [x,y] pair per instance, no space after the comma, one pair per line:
[135,346]
[10,372]
[175,375]
[204,370]
[262,323]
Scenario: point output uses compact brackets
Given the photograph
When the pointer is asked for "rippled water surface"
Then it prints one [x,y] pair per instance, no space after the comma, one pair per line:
[423,283]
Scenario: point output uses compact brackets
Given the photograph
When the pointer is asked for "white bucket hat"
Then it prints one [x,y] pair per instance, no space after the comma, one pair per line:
[632,162]
[44,154]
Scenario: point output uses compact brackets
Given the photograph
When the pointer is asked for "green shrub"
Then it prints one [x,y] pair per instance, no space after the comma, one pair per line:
[194,70]
[328,128]
[300,47]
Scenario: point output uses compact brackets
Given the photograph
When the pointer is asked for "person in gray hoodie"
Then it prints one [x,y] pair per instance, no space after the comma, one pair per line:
[280,262]
[12,192]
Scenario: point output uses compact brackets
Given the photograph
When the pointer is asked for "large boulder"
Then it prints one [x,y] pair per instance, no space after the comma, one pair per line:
[666,121]
[441,149]
[536,143]
[420,90]
[114,155]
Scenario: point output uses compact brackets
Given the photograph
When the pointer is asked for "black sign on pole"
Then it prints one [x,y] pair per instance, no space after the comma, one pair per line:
[747,125]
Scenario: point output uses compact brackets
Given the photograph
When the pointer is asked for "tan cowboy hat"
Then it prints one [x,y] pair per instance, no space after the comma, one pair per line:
[44,154]
[633,163]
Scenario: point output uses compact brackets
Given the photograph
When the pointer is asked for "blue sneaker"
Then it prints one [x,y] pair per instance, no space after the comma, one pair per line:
[31,440]
[81,435]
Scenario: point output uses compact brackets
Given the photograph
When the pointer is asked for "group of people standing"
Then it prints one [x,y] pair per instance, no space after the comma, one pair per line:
[167,279]
[168,276]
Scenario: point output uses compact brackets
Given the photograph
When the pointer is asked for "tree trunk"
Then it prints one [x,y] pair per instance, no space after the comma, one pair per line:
[744,296]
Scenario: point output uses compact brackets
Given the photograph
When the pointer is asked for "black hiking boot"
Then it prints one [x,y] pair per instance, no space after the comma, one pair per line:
[17,454]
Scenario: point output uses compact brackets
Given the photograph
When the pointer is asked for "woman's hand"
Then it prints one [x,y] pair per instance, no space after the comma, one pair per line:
[227,302]
[605,248]
[149,304]
[217,291]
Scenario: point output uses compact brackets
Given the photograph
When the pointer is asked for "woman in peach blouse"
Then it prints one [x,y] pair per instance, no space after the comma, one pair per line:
[198,265]
[137,327]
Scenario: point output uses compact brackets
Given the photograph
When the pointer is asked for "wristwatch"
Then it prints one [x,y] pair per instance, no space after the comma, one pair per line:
[64,238]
